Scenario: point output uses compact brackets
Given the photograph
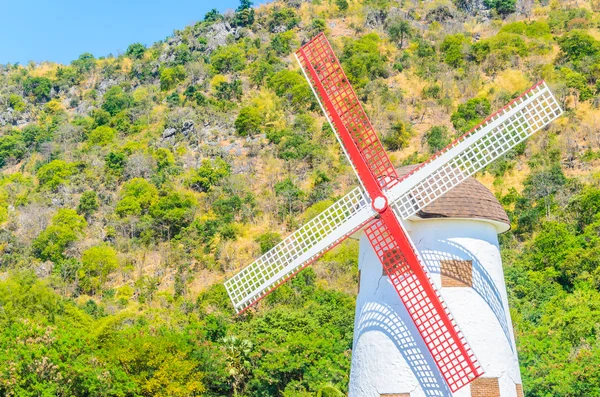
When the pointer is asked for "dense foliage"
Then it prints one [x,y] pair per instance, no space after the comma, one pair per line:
[133,185]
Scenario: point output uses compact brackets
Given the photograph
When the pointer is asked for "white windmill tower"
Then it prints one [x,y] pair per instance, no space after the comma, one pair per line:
[410,346]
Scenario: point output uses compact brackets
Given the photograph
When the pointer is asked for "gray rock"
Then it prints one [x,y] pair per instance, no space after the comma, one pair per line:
[217,35]
[441,13]
[44,269]
[375,19]
[169,133]
[188,127]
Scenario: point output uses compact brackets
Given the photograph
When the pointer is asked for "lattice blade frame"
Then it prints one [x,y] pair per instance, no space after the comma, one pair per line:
[448,347]
[299,249]
[317,56]
[500,132]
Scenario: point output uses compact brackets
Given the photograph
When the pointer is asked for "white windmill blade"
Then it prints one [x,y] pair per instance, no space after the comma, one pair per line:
[299,249]
[494,137]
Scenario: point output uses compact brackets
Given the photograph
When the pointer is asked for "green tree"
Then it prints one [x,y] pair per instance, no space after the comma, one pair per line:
[137,196]
[362,59]
[213,16]
[136,50]
[398,30]
[503,7]
[342,4]
[88,203]
[244,14]
[227,59]
[173,212]
[293,87]
[267,241]
[282,43]
[454,47]
[115,163]
[470,113]
[170,77]
[290,197]
[249,121]
[208,174]
[398,137]
[116,100]
[84,63]
[66,227]
[54,174]
[101,136]
[96,264]
[229,91]
[12,148]
[38,87]
[16,102]
[437,138]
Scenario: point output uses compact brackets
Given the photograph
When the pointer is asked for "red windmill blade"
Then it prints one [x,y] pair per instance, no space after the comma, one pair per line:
[495,136]
[389,239]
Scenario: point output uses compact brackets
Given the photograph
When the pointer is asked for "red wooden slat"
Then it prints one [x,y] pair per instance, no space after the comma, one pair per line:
[441,335]
[423,302]
[319,56]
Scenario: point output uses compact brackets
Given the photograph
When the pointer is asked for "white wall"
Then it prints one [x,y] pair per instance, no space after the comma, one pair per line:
[388,355]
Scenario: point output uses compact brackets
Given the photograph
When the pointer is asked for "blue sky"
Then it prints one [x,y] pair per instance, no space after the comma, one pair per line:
[60,30]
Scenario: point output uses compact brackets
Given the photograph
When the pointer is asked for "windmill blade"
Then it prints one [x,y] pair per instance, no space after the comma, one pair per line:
[299,249]
[441,335]
[344,111]
[433,320]
[500,132]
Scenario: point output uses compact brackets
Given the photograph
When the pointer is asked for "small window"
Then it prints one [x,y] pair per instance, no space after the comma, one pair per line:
[456,273]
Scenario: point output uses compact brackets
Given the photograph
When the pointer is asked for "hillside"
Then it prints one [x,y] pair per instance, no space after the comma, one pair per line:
[132,185]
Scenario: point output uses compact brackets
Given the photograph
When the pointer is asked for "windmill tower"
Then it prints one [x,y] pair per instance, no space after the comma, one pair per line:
[381,209]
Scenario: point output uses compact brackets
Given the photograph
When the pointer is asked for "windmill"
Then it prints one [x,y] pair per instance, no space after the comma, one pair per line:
[384,200]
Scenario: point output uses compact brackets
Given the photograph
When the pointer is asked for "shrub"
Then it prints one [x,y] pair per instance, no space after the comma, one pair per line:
[363,61]
[136,50]
[454,47]
[398,137]
[470,113]
[249,121]
[137,195]
[116,100]
[293,87]
[16,102]
[267,241]
[66,227]
[503,7]
[578,44]
[101,136]
[170,77]
[437,138]
[38,87]
[88,203]
[228,59]
[208,174]
[54,174]
[96,264]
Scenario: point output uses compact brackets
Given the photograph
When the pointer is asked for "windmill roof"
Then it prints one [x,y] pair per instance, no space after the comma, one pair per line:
[469,200]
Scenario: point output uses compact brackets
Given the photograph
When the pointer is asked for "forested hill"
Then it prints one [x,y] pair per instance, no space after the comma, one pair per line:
[132,185]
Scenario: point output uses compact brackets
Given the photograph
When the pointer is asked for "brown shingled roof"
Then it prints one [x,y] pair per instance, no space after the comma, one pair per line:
[470,200]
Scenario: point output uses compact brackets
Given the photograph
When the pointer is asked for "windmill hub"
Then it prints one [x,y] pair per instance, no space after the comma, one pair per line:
[380,204]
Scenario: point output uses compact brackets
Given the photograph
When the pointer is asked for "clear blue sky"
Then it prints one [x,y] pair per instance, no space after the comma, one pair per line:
[61,30]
